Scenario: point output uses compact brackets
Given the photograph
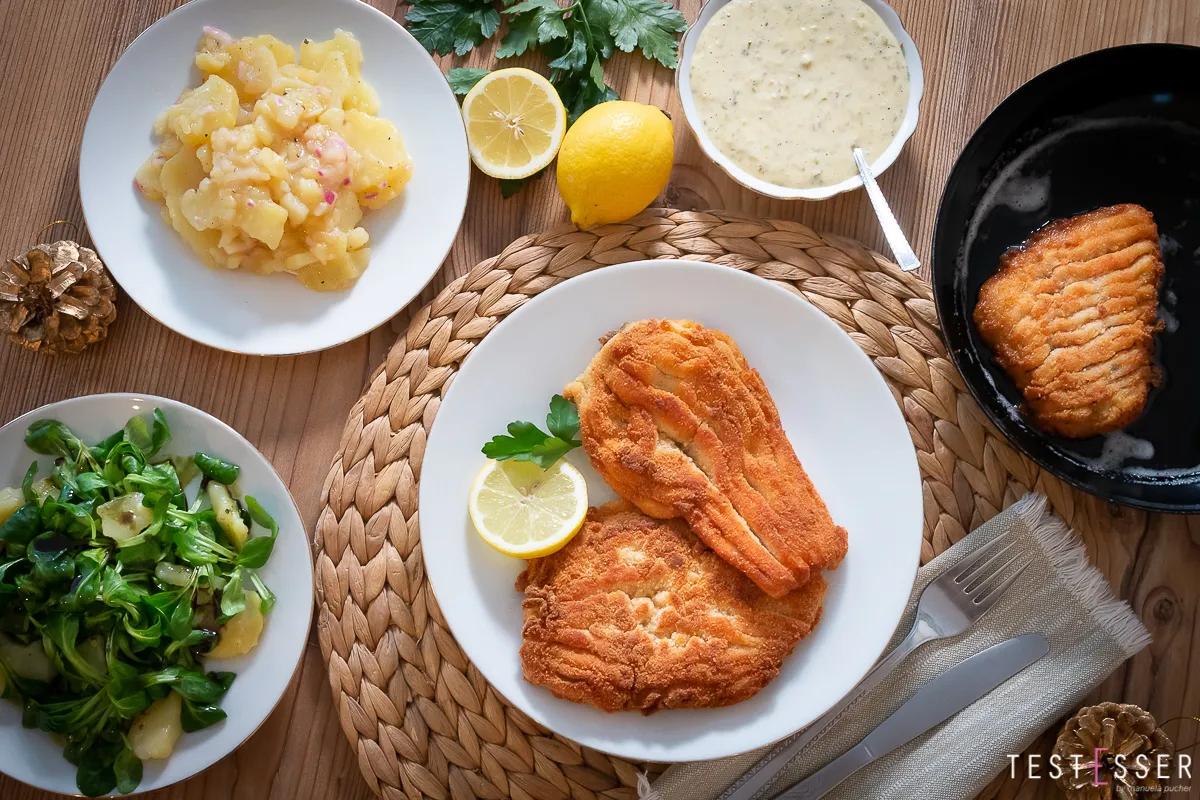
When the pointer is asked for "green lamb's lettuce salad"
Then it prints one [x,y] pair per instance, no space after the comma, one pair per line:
[117,580]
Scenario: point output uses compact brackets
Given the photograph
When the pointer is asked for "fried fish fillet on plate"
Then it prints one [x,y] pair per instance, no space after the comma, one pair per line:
[1071,316]
[636,613]
[677,422]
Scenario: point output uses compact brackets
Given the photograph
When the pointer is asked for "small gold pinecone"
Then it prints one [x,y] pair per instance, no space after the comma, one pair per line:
[57,298]
[1090,743]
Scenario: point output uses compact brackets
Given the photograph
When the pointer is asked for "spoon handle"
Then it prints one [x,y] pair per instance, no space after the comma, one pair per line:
[905,257]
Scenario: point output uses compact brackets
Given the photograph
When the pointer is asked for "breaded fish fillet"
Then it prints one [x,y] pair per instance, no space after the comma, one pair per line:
[1071,316]
[636,613]
[678,423]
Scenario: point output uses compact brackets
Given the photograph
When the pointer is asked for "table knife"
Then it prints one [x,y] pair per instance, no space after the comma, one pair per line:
[939,699]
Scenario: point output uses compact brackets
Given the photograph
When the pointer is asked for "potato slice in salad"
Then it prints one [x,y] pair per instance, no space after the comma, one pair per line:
[227,513]
[156,730]
[241,633]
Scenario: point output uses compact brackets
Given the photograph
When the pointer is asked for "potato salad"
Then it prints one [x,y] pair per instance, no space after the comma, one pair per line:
[269,164]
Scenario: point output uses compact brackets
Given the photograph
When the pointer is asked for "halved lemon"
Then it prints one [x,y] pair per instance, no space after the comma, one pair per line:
[525,511]
[515,123]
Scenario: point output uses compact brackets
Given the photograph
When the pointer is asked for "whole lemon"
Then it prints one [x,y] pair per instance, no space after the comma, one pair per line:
[614,161]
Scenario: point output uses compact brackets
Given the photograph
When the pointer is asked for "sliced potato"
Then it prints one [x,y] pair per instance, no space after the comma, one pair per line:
[10,500]
[44,488]
[183,171]
[156,730]
[27,660]
[241,633]
[262,219]
[314,55]
[210,106]
[384,166]
[228,517]
[124,517]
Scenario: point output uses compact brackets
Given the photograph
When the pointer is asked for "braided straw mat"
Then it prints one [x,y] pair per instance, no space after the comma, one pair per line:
[422,720]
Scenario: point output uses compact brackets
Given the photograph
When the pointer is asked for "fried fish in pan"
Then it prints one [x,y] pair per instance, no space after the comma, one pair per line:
[677,422]
[636,613]
[1071,316]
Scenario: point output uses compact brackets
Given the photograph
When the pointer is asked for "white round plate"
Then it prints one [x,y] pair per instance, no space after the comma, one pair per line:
[271,314]
[916,85]
[32,756]
[839,415]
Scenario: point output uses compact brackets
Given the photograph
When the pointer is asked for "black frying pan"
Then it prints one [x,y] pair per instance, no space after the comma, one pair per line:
[1115,126]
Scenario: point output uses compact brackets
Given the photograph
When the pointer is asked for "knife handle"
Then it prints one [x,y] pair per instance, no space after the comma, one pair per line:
[753,783]
[823,780]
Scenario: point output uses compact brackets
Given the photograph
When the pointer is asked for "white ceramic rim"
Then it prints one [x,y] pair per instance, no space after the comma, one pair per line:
[916,86]
[369,323]
[488,662]
[166,403]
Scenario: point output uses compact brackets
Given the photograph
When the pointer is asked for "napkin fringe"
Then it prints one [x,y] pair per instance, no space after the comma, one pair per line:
[1068,557]
[644,790]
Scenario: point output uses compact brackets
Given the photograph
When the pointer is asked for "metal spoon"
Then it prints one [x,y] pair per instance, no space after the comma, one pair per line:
[903,251]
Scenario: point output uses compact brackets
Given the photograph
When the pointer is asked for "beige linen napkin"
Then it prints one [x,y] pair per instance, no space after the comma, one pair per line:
[1060,595]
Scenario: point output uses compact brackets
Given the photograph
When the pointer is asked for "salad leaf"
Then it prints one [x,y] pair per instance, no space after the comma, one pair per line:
[149,438]
[127,770]
[22,526]
[257,550]
[51,438]
[197,716]
[218,469]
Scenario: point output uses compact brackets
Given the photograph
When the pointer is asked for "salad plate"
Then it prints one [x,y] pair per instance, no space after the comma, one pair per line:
[839,416]
[236,310]
[263,675]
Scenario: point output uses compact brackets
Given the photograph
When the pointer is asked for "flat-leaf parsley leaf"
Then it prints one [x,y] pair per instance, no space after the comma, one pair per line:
[576,39]
[527,442]
[452,26]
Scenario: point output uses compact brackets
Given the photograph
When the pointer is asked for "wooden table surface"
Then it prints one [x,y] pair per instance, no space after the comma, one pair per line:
[53,56]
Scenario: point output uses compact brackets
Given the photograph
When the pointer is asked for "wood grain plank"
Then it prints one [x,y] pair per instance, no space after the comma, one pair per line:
[54,57]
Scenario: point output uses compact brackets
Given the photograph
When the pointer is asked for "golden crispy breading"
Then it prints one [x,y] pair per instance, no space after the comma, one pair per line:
[1071,316]
[678,423]
[636,613]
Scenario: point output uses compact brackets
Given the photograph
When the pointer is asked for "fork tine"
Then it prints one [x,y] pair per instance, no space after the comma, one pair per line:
[994,593]
[994,566]
[984,567]
[965,565]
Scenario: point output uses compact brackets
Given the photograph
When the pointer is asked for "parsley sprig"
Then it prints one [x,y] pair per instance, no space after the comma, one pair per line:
[577,39]
[527,442]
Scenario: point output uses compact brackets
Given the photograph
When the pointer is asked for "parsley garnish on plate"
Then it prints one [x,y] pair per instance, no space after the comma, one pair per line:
[527,442]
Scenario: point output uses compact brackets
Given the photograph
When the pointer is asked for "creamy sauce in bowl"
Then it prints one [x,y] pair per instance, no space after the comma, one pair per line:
[785,88]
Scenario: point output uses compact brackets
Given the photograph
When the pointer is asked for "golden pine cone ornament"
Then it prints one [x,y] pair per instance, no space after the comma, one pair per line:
[1112,751]
[57,298]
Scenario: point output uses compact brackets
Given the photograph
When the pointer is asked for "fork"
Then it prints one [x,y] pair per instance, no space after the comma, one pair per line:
[949,605]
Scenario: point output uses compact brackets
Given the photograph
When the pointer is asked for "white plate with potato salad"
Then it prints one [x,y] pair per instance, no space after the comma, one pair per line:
[270,178]
[155,590]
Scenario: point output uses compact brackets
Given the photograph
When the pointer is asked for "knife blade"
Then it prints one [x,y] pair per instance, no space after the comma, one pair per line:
[939,699]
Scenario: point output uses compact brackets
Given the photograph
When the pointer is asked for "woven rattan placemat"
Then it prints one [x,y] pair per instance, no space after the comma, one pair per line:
[422,720]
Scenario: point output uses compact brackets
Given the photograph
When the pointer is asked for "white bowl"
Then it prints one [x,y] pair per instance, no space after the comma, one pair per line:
[916,84]
[271,314]
[32,756]
[839,415]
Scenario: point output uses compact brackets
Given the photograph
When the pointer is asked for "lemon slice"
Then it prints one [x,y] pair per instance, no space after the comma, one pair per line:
[515,123]
[525,511]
